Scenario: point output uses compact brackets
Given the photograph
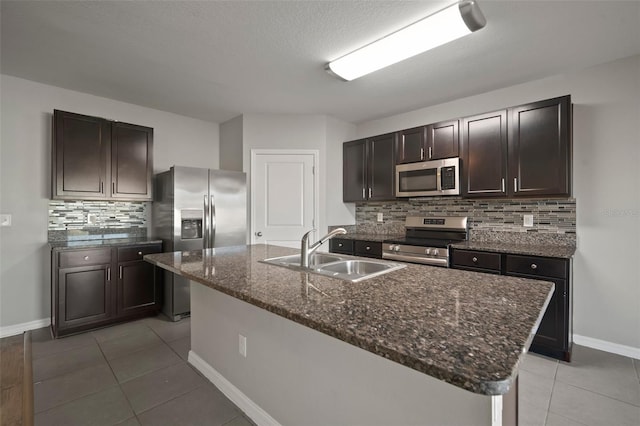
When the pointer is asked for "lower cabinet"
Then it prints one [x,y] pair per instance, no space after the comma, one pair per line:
[356,247]
[95,287]
[554,336]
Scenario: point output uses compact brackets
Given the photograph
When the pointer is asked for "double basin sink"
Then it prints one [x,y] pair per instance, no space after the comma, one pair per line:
[341,267]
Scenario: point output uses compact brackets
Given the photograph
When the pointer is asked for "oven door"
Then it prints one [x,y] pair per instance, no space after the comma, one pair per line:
[428,178]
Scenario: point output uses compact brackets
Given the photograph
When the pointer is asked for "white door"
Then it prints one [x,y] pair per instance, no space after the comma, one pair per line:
[283,196]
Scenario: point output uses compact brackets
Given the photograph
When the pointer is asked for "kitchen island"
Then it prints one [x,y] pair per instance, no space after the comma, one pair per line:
[421,345]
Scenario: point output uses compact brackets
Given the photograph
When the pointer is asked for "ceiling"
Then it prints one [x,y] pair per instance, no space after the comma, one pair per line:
[214,60]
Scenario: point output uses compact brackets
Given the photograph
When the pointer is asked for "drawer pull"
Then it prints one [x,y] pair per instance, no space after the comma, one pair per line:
[140,253]
[339,244]
[475,259]
[534,266]
[86,258]
[368,248]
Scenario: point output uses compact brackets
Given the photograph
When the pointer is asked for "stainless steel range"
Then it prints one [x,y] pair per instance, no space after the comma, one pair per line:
[427,240]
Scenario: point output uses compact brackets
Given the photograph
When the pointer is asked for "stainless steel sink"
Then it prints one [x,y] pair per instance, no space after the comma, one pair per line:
[357,270]
[294,259]
[342,267]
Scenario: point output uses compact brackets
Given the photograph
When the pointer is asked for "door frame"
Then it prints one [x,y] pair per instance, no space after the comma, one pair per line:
[316,183]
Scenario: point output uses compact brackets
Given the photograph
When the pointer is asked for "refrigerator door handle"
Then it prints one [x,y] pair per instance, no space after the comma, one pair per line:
[205,236]
[212,221]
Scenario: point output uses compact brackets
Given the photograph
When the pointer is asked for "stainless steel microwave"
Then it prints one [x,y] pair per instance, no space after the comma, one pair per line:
[428,178]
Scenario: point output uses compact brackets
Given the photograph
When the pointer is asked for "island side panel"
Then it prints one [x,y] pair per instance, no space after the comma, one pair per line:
[300,376]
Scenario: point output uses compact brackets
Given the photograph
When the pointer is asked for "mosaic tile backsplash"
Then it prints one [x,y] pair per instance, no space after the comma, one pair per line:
[554,220]
[95,219]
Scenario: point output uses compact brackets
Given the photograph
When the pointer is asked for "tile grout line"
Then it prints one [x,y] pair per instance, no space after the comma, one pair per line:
[597,393]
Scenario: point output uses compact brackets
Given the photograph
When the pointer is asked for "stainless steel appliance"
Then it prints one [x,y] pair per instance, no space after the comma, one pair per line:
[197,209]
[427,240]
[437,177]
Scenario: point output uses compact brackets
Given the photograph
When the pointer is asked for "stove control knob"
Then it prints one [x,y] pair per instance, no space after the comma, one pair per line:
[396,248]
[427,251]
[434,252]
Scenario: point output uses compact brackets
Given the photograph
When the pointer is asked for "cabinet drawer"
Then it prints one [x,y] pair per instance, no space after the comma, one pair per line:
[476,259]
[69,259]
[368,249]
[126,254]
[339,245]
[537,266]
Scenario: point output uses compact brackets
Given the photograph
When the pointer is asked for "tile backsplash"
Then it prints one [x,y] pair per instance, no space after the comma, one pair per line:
[552,218]
[95,218]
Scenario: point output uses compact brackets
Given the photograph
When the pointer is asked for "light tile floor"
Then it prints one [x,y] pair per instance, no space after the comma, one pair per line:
[137,374]
[130,374]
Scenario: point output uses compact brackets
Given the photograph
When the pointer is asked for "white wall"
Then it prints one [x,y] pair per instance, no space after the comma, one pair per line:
[338,212]
[606,180]
[25,156]
[231,144]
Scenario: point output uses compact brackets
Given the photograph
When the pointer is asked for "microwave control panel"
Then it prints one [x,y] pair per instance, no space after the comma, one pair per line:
[448,177]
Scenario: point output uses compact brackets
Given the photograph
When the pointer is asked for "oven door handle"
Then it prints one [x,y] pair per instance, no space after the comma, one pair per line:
[416,259]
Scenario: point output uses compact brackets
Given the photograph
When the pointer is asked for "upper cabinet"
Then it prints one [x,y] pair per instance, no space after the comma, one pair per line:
[97,159]
[432,142]
[484,155]
[532,160]
[540,148]
[369,169]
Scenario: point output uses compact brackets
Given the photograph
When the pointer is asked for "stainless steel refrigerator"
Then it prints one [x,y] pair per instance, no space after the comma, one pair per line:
[196,209]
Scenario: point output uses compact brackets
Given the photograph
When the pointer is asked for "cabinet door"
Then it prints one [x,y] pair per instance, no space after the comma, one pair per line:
[411,145]
[84,296]
[443,140]
[382,167]
[354,171]
[484,155]
[131,161]
[137,288]
[79,157]
[540,148]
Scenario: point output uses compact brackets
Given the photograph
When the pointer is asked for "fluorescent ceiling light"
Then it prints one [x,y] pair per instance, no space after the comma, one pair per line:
[450,23]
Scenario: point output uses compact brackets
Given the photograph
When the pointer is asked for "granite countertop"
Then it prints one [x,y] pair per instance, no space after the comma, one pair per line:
[74,244]
[369,237]
[546,250]
[464,328]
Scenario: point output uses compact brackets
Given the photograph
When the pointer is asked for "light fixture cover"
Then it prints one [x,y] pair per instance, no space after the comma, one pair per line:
[448,24]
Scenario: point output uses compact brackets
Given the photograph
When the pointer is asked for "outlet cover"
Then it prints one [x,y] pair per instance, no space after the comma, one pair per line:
[528,220]
[92,218]
[5,220]
[380,219]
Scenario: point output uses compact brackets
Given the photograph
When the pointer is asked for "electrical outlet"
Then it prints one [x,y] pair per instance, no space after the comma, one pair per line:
[92,218]
[242,345]
[380,219]
[5,220]
[528,220]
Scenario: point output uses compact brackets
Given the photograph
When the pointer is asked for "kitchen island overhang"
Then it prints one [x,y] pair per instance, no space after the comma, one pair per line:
[467,329]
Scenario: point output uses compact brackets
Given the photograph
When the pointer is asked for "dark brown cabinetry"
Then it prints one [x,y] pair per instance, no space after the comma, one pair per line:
[96,287]
[540,148]
[369,169]
[532,160]
[484,155]
[96,159]
[554,335]
[432,142]
[356,247]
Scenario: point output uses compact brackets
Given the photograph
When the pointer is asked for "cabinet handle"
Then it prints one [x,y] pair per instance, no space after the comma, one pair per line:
[430,152]
[368,248]
[370,192]
[120,272]
[422,153]
[515,184]
[534,266]
[339,244]
[474,259]
[86,258]
[503,185]
[108,274]
[363,195]
[113,187]
[139,253]
[101,187]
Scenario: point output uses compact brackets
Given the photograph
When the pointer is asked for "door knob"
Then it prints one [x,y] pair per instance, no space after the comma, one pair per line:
[258,234]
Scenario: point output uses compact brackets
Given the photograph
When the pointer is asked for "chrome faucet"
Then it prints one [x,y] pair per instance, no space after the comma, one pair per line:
[306,251]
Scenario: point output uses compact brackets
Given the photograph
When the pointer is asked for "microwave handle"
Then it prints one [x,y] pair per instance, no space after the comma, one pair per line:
[439,179]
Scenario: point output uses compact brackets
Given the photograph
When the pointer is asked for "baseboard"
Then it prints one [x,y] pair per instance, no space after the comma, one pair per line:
[12,330]
[242,401]
[603,345]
